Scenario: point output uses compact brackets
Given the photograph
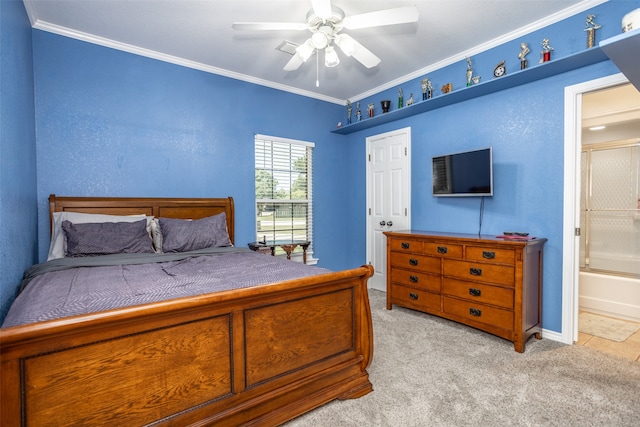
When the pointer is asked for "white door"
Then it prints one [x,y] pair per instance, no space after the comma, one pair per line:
[388,196]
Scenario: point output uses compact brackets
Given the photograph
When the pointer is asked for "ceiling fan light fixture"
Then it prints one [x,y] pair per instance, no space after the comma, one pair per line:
[305,50]
[346,44]
[331,57]
[319,40]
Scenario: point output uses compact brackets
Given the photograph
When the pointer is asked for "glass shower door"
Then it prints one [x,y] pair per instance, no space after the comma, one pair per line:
[610,219]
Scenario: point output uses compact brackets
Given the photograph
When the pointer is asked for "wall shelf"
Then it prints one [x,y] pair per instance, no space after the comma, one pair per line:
[624,50]
[520,77]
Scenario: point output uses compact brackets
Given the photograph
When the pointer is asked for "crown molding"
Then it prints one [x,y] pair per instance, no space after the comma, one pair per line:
[534,26]
[102,41]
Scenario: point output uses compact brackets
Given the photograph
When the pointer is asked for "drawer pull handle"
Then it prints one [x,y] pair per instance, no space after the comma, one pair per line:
[413,279]
[488,254]
[475,271]
[475,292]
[413,296]
[442,249]
[475,312]
[405,245]
[413,261]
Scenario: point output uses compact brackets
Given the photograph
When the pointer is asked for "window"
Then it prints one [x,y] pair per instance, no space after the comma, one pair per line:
[283,189]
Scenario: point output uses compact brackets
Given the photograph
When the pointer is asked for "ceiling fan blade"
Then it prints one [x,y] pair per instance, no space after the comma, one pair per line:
[400,15]
[321,8]
[365,56]
[286,26]
[294,63]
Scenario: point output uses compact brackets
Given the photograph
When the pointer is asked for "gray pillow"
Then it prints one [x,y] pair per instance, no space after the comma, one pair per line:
[180,235]
[91,239]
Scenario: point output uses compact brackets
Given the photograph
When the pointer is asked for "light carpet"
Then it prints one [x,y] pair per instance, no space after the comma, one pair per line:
[428,371]
[606,327]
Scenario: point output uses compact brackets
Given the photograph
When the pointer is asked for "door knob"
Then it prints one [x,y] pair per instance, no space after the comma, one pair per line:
[383,223]
[389,223]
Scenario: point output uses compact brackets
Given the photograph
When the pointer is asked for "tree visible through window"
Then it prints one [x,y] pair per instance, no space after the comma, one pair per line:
[283,189]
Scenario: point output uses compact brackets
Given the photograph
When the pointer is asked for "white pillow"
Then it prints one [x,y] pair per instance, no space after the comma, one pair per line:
[58,247]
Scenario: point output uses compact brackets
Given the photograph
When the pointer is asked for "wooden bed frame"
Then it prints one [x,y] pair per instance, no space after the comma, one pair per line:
[255,356]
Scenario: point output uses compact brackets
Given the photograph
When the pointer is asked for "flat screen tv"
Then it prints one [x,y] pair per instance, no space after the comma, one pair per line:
[469,173]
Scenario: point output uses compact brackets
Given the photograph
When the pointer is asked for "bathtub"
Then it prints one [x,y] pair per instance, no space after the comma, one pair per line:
[609,295]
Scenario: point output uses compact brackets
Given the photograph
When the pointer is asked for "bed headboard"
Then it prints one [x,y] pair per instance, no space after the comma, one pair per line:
[183,208]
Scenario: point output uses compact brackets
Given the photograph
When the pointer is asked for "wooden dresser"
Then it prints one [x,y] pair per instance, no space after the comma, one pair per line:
[490,283]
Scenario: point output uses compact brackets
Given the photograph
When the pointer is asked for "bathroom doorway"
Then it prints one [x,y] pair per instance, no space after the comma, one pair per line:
[609,258]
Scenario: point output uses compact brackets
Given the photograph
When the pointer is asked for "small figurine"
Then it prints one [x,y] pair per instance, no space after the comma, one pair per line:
[349,108]
[370,110]
[410,101]
[447,88]
[358,113]
[469,71]
[476,80]
[522,55]
[546,51]
[591,28]
[339,125]
[423,84]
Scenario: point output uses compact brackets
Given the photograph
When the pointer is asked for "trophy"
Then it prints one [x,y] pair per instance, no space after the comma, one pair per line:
[546,51]
[400,98]
[591,28]
[469,71]
[427,89]
[522,55]
[349,108]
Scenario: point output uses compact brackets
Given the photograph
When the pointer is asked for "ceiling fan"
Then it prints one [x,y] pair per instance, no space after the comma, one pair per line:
[325,22]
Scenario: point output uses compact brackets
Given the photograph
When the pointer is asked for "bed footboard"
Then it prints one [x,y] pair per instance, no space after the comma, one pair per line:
[257,356]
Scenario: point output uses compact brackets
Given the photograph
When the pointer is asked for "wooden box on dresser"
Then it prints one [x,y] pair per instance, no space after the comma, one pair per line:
[493,284]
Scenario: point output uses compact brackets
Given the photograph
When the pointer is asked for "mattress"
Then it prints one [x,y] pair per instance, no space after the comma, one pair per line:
[73,286]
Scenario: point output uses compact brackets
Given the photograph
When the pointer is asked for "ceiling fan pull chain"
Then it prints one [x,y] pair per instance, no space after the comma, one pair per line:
[317,69]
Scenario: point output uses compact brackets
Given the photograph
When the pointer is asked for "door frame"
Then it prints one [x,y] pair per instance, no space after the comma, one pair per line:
[571,200]
[406,131]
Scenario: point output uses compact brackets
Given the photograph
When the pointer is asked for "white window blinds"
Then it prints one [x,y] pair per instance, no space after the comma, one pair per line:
[283,180]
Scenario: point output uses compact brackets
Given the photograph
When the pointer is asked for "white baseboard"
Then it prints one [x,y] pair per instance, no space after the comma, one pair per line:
[553,336]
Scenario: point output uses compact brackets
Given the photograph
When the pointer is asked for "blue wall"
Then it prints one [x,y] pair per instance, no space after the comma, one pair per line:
[525,127]
[18,234]
[114,124]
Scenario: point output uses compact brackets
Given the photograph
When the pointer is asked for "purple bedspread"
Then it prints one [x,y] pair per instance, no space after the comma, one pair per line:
[54,290]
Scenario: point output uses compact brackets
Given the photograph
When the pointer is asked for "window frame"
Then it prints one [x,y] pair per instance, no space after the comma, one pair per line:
[309,146]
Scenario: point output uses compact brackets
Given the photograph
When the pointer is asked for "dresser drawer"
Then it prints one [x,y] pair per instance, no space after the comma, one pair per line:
[476,292]
[501,256]
[415,279]
[415,262]
[443,249]
[410,297]
[406,245]
[498,274]
[478,312]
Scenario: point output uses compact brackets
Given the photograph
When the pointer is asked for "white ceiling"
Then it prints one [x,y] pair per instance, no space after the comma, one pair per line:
[198,34]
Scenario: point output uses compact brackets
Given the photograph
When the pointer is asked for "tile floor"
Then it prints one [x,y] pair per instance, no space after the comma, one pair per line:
[629,349]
